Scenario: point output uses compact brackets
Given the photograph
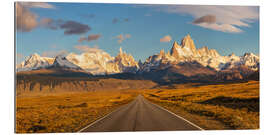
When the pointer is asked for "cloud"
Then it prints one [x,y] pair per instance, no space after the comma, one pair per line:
[26,21]
[69,27]
[115,20]
[90,38]
[228,18]
[167,38]
[73,27]
[221,27]
[205,19]
[19,58]
[36,5]
[54,53]
[86,48]
[127,36]
[50,23]
[19,55]
[122,37]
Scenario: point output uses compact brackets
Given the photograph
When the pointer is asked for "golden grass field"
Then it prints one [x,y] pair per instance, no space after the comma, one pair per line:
[212,106]
[66,112]
[219,106]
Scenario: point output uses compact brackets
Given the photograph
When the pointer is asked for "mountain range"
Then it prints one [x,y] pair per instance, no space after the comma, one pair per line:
[183,62]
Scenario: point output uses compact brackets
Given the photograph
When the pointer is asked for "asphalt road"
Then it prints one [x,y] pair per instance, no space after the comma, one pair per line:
[140,115]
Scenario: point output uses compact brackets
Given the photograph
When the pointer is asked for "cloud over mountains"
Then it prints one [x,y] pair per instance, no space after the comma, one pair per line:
[27,20]
[166,38]
[220,18]
[122,37]
[90,38]
[86,48]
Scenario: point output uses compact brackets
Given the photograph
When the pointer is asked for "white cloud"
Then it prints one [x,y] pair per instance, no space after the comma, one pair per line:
[54,53]
[86,48]
[166,38]
[122,37]
[228,18]
[26,20]
[36,5]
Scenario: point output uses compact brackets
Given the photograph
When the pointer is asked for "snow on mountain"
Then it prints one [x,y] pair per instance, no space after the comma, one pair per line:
[126,62]
[187,52]
[63,63]
[34,61]
[100,62]
[94,62]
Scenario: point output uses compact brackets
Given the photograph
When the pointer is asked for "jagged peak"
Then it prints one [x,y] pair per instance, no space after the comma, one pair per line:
[174,48]
[175,45]
[60,57]
[34,55]
[249,54]
[205,47]
[187,42]
[162,52]
[120,50]
[232,55]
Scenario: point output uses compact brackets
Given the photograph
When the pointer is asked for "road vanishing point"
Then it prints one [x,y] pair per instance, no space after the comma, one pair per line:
[140,115]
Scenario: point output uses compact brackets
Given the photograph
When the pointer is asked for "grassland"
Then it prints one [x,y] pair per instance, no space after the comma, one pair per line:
[66,112]
[211,106]
[215,106]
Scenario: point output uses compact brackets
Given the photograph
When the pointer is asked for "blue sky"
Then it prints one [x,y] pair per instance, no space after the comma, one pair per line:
[138,29]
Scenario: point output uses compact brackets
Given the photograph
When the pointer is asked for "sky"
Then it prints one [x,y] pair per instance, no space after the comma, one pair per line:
[50,29]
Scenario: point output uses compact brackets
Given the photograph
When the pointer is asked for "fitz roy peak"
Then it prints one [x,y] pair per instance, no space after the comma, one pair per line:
[187,52]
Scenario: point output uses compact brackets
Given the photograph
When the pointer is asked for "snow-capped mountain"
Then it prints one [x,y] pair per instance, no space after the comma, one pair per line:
[181,57]
[93,62]
[62,62]
[100,62]
[187,52]
[34,61]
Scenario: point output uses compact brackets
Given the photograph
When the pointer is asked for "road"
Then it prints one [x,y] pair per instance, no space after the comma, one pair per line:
[140,115]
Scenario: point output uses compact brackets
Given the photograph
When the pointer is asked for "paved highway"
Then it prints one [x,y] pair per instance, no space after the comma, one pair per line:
[140,115]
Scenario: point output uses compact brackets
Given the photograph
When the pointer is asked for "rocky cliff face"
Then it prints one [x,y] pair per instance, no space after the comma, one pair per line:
[126,62]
